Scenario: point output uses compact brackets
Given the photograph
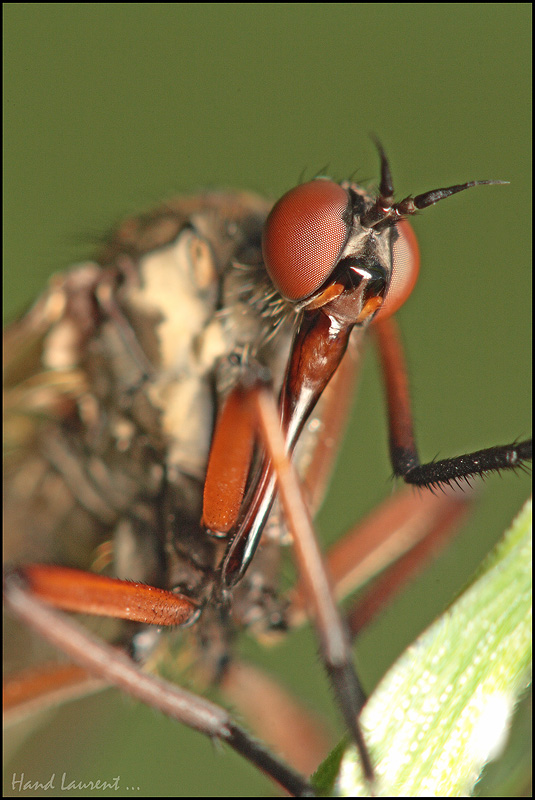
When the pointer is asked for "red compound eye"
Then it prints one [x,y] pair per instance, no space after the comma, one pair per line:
[405,268]
[303,237]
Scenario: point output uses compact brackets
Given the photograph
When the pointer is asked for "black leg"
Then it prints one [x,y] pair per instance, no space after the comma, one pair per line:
[333,636]
[403,451]
[507,456]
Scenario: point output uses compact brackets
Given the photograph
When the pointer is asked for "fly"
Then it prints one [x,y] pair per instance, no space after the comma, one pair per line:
[145,461]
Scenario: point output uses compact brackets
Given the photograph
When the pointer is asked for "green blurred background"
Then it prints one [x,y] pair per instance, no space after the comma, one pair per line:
[111,107]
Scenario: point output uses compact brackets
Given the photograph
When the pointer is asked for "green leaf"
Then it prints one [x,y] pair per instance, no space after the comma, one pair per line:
[444,709]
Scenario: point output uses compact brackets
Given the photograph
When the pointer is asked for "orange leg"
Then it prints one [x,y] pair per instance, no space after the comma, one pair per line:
[230,459]
[88,593]
[403,451]
[446,513]
[402,525]
[43,687]
[113,666]
[275,715]
[409,521]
